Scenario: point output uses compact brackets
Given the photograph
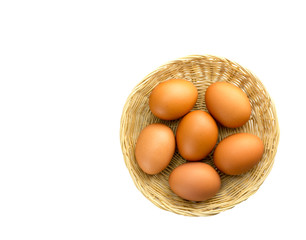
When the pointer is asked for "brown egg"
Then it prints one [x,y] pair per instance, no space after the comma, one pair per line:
[228,104]
[196,135]
[195,181]
[238,153]
[154,148]
[173,98]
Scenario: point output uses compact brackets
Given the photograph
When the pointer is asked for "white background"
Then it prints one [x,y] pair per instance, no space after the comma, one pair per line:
[66,69]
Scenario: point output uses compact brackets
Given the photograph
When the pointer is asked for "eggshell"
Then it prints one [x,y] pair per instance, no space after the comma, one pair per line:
[154,148]
[228,104]
[173,98]
[238,153]
[195,181]
[196,135]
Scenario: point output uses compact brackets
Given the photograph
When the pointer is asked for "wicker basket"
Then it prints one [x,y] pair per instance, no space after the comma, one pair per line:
[201,71]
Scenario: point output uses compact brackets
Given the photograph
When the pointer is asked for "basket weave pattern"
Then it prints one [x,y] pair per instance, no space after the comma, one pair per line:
[201,70]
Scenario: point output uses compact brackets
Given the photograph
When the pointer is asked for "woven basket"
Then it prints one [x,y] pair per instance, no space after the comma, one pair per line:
[201,71]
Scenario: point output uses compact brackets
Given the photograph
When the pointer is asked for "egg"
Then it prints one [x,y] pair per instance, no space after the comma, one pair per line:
[196,135]
[155,148]
[238,153]
[228,104]
[172,99]
[195,181]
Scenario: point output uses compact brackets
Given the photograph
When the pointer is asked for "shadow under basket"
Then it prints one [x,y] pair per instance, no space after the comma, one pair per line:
[202,71]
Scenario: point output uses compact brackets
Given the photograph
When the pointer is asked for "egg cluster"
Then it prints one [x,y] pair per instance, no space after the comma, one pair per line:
[196,137]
